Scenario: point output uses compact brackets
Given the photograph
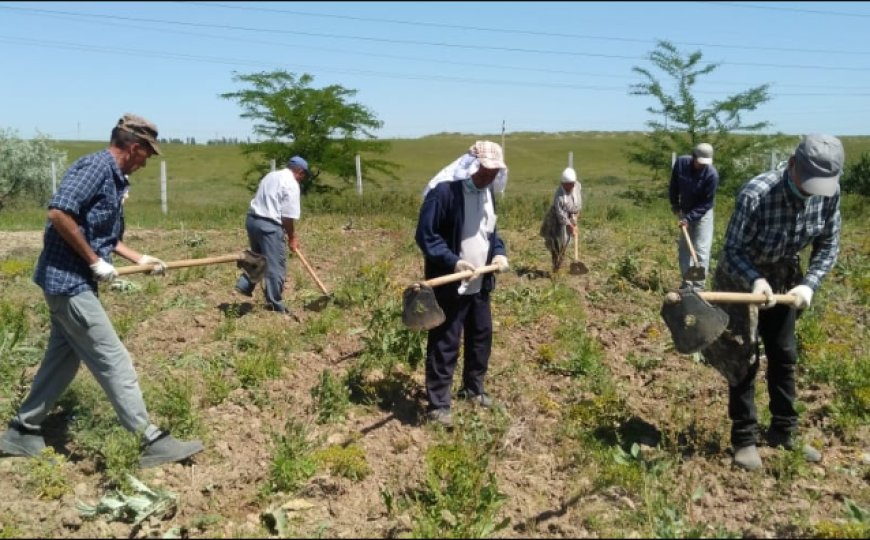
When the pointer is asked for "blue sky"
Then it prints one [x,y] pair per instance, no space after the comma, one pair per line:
[70,69]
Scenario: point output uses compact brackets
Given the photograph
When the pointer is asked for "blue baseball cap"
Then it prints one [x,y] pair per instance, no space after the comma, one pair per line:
[298,162]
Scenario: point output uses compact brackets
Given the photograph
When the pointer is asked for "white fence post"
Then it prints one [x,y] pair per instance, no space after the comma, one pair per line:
[273,165]
[358,175]
[673,159]
[53,177]
[163,203]
[772,159]
[571,159]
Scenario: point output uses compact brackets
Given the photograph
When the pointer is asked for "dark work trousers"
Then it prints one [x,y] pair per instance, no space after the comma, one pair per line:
[267,238]
[472,315]
[776,329]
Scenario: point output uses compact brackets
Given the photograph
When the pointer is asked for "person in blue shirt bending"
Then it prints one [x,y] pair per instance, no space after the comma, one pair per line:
[692,192]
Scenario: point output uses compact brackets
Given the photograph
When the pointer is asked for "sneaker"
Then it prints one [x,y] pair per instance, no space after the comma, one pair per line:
[747,457]
[18,441]
[478,399]
[787,441]
[166,449]
[243,293]
[441,416]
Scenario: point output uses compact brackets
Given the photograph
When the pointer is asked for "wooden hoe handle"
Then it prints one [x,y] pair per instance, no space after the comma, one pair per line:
[311,271]
[185,263]
[459,276]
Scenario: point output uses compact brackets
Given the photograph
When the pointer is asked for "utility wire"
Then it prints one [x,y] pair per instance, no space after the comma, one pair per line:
[425,43]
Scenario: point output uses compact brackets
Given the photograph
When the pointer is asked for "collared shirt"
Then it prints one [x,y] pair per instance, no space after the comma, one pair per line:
[277,197]
[90,192]
[692,191]
[771,224]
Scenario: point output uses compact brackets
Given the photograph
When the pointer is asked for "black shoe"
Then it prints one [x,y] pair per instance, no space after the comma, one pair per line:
[17,441]
[166,449]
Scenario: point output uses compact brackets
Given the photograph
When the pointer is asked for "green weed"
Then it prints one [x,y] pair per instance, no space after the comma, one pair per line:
[293,463]
[172,403]
[253,368]
[46,478]
[331,398]
[348,462]
[120,452]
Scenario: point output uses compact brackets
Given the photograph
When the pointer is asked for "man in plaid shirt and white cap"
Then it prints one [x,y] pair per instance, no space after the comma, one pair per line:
[776,215]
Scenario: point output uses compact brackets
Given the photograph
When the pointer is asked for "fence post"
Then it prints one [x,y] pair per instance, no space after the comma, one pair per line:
[53,177]
[358,175]
[673,159]
[571,159]
[273,165]
[772,159]
[163,204]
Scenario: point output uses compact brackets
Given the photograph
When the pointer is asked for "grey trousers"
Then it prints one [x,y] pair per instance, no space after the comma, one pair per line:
[267,238]
[82,332]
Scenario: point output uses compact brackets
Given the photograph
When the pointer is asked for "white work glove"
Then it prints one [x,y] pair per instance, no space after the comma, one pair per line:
[104,271]
[502,263]
[761,286]
[803,296]
[159,266]
[462,266]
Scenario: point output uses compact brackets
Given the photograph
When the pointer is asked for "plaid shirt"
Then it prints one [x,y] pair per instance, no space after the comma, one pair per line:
[90,192]
[772,225]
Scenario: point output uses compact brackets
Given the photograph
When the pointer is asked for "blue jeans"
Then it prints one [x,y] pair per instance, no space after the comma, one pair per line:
[82,332]
[267,239]
[701,233]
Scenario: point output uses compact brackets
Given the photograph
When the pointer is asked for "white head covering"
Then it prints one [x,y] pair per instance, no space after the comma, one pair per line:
[462,168]
[569,176]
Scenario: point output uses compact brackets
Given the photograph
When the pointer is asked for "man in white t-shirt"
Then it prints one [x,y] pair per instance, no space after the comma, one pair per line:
[273,212]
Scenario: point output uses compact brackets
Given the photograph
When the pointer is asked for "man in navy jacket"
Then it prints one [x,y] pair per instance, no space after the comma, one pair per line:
[692,193]
[456,232]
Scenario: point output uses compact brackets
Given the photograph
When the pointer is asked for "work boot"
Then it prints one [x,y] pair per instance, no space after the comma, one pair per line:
[441,416]
[478,399]
[19,441]
[166,449]
[787,441]
[747,457]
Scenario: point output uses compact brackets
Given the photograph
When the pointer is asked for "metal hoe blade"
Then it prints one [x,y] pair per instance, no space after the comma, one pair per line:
[252,264]
[695,273]
[694,323]
[420,309]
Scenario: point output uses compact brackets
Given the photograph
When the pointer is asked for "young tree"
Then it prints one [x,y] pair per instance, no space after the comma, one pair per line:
[317,123]
[681,121]
[25,167]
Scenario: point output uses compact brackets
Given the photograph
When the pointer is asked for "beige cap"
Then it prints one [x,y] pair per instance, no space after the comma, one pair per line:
[140,127]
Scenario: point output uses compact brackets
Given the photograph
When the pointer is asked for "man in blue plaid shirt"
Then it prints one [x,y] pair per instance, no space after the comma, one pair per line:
[776,215]
[85,226]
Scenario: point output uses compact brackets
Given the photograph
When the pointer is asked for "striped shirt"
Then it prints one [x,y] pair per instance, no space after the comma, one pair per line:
[772,225]
[90,192]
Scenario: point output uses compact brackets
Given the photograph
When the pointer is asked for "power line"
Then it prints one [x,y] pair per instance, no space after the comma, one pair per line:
[517,30]
[793,10]
[428,43]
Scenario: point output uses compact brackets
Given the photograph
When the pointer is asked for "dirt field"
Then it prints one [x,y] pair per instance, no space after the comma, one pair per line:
[676,411]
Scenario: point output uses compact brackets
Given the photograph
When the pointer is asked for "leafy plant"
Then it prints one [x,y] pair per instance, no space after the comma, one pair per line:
[293,463]
[331,398]
[46,477]
[345,461]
